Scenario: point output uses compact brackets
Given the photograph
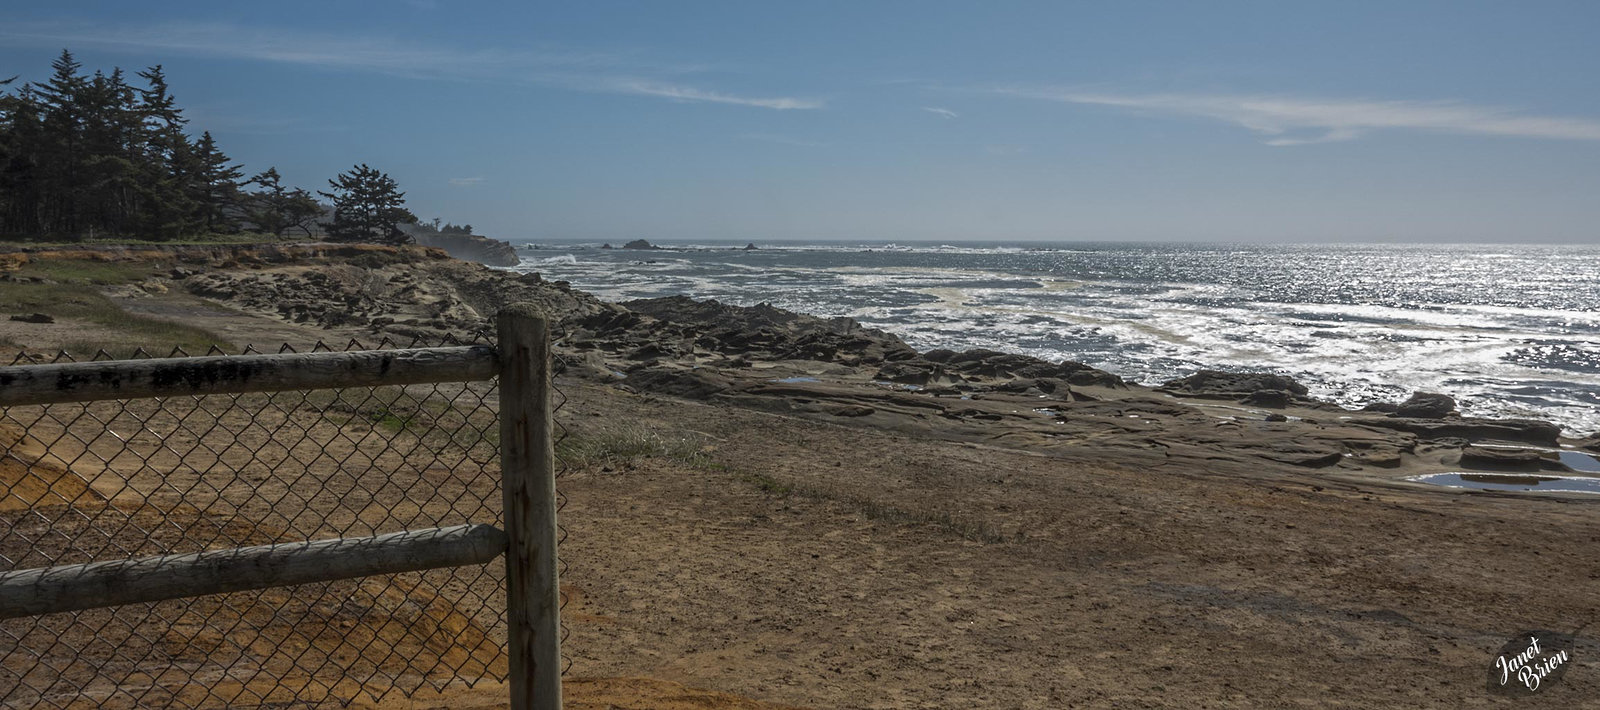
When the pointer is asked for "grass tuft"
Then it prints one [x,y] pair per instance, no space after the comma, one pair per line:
[623,445]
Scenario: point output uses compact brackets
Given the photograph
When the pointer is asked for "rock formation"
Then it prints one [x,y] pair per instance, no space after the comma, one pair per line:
[471,247]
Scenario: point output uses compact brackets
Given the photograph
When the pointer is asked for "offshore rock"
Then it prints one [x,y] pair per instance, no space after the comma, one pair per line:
[1231,385]
[1427,405]
[764,332]
[980,362]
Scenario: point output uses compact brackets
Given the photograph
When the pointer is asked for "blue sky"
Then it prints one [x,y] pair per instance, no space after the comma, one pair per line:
[678,121]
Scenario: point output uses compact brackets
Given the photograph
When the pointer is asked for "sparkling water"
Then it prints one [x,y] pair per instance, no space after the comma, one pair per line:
[1507,330]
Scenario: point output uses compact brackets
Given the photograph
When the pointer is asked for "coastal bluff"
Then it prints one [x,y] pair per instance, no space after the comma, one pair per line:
[470,247]
[835,369]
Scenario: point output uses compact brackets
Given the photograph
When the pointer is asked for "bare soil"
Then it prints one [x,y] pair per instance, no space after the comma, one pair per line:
[1115,585]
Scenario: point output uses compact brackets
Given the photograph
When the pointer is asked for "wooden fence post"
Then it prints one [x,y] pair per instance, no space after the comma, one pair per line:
[527,466]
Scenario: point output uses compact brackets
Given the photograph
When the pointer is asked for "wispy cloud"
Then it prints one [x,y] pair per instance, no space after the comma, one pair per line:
[1288,120]
[466,181]
[686,93]
[579,71]
[947,113]
[782,140]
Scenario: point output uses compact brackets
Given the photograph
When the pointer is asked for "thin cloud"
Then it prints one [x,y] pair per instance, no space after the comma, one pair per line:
[947,113]
[578,71]
[1301,121]
[686,93]
[466,181]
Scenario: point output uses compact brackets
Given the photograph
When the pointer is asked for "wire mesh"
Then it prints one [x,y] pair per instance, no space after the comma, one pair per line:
[558,400]
[120,479]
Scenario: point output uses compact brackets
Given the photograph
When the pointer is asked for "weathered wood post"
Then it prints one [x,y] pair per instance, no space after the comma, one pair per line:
[527,467]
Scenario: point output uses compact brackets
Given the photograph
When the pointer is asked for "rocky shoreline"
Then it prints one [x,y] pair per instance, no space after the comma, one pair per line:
[837,370]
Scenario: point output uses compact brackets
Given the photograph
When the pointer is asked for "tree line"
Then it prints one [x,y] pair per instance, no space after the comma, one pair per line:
[96,156]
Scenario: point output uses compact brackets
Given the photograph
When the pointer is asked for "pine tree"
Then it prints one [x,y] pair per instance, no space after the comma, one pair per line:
[276,209]
[167,168]
[111,155]
[61,155]
[93,155]
[368,206]
[215,187]
[19,145]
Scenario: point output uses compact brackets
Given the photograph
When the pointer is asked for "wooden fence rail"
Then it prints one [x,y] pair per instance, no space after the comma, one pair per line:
[152,579]
[232,374]
[522,361]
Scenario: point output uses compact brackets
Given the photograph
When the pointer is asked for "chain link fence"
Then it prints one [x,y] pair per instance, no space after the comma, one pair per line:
[121,479]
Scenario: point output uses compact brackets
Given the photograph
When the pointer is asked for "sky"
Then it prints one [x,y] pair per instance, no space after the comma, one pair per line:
[1263,121]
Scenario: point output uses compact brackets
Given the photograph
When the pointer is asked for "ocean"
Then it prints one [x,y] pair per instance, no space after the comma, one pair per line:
[1510,331]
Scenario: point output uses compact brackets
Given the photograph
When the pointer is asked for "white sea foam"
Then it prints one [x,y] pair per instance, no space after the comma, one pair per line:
[1354,323]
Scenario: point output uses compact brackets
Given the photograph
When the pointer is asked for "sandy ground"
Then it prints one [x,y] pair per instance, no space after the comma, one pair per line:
[803,560]
[1162,586]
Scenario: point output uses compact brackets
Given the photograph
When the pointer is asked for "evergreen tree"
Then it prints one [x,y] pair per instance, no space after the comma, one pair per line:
[86,156]
[111,157]
[276,209]
[18,185]
[368,206]
[61,154]
[215,187]
[168,167]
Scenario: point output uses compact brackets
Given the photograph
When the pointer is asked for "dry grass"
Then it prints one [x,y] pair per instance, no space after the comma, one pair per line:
[67,291]
[619,446]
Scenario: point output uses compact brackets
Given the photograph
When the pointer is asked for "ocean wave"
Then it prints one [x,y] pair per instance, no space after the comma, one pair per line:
[1355,323]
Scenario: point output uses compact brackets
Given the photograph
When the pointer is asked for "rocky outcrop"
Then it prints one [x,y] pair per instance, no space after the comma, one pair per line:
[766,357]
[982,362]
[760,332]
[1216,384]
[689,384]
[698,349]
[916,371]
[412,298]
[471,247]
[1530,431]
[1426,405]
[639,244]
[1501,458]
[1272,399]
